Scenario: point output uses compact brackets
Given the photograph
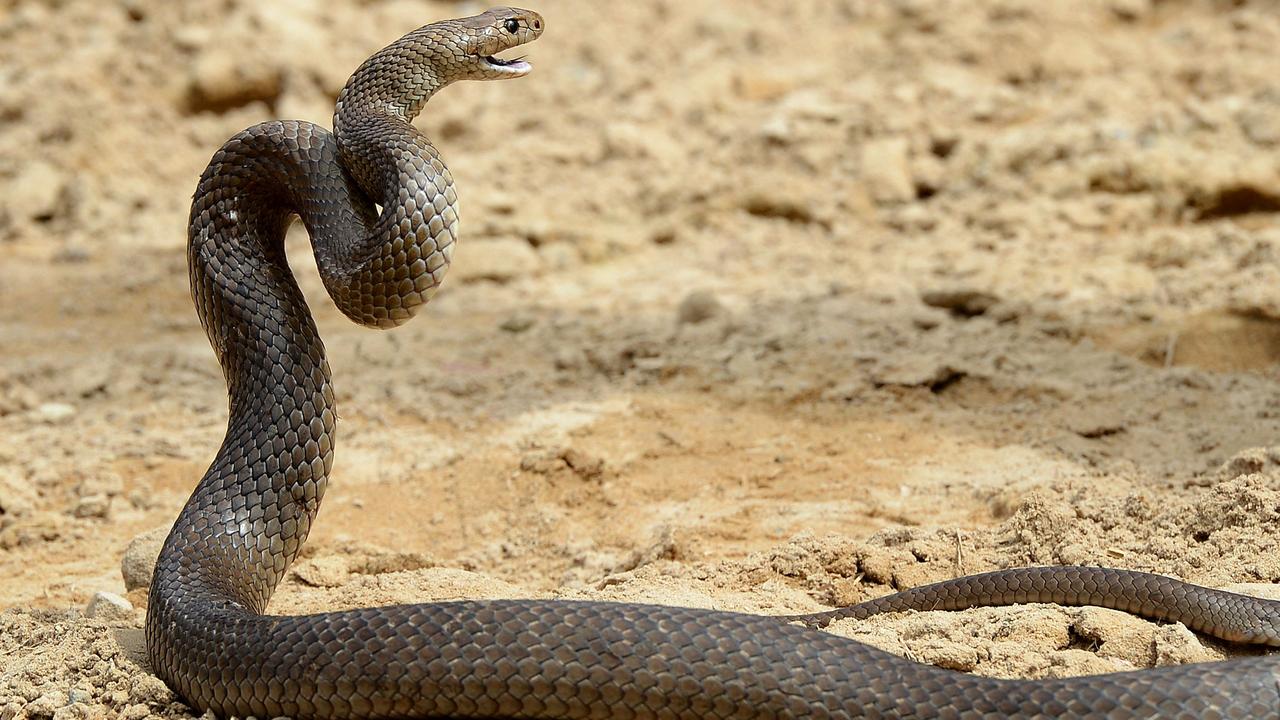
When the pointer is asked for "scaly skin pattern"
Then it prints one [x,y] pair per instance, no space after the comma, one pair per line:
[1225,615]
[207,634]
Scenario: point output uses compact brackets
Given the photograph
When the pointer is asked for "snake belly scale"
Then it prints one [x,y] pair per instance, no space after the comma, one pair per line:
[382,214]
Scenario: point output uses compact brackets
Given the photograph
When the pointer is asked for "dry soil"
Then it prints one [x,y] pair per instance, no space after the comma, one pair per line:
[767,305]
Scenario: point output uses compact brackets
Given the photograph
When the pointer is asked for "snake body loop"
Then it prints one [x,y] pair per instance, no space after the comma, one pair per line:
[207,634]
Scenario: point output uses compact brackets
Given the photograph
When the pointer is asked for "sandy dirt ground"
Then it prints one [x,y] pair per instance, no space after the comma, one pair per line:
[767,306]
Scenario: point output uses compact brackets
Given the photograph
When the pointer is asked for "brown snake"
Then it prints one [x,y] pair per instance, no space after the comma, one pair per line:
[208,636]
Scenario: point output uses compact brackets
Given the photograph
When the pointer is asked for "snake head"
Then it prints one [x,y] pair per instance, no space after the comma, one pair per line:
[494,31]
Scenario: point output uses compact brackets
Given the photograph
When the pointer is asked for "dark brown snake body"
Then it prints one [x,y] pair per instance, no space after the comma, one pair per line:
[208,636]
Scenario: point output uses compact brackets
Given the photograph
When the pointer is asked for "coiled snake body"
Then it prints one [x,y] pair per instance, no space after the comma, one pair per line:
[208,636]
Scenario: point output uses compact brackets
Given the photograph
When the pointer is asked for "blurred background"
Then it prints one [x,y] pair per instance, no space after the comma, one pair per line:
[764,305]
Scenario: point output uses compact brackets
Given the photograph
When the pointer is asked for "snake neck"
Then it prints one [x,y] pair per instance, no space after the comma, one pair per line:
[364,96]
[399,80]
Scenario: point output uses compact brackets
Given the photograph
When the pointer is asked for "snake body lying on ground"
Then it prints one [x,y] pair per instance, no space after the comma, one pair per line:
[208,636]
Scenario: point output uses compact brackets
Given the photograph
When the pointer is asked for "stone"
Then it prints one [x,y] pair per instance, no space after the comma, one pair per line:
[37,193]
[965,302]
[761,85]
[1130,10]
[192,37]
[698,307]
[139,562]
[778,130]
[915,371]
[586,466]
[93,506]
[664,234]
[109,606]
[1174,644]
[780,203]
[517,323]
[55,413]
[1094,422]
[886,170]
[811,103]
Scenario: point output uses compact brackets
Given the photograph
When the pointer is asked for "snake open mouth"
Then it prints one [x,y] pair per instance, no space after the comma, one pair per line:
[517,66]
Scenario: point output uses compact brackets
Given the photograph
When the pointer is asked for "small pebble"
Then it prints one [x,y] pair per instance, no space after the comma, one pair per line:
[108,606]
[139,561]
[38,192]
[93,506]
[965,302]
[517,324]
[886,170]
[55,413]
[698,307]
[80,695]
[664,235]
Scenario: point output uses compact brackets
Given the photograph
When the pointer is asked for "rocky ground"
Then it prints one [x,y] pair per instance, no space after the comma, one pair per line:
[769,309]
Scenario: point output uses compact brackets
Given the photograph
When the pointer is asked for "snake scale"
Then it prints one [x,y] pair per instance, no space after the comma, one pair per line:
[382,214]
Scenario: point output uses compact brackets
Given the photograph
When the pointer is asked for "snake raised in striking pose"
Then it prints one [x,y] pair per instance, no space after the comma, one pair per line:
[208,636]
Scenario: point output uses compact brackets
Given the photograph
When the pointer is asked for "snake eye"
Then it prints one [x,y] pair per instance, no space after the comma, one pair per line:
[512,25]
